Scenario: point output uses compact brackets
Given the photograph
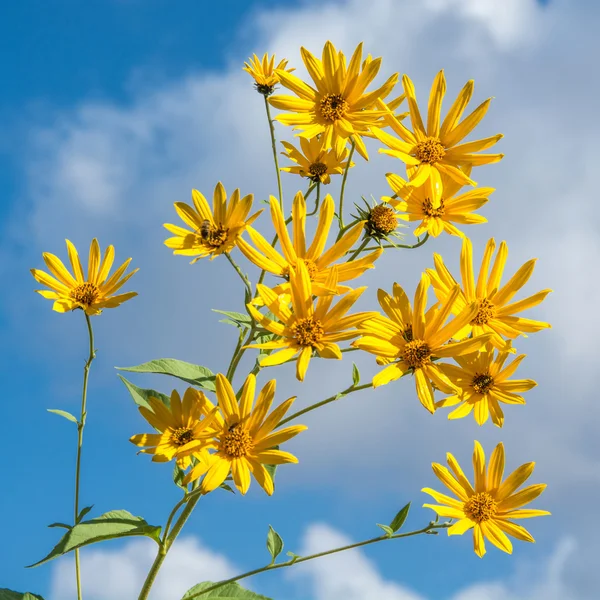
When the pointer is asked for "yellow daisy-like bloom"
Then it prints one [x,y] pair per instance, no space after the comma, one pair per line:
[490,506]
[245,440]
[314,161]
[315,258]
[495,313]
[91,293]
[182,432]
[413,338]
[338,107]
[483,385]
[263,72]
[435,147]
[435,203]
[306,329]
[213,231]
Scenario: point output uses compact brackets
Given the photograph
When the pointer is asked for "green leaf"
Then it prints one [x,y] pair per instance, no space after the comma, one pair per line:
[355,375]
[227,487]
[272,468]
[388,530]
[110,525]
[178,476]
[6,594]
[274,544]
[235,318]
[230,591]
[192,374]
[294,557]
[140,396]
[84,511]
[63,413]
[399,519]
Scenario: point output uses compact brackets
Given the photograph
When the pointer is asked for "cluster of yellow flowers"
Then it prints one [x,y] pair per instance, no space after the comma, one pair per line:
[305,313]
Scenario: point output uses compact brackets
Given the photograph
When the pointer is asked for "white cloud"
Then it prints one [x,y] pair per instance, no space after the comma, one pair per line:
[120,574]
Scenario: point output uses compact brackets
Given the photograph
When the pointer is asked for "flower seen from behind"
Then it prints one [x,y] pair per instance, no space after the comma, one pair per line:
[91,293]
[263,72]
[490,506]
[245,440]
[212,232]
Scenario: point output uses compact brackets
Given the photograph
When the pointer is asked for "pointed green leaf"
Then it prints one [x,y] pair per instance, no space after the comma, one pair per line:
[140,396]
[355,375]
[274,544]
[63,413]
[84,511]
[399,519]
[235,318]
[6,594]
[229,591]
[388,530]
[293,556]
[64,525]
[192,374]
[110,525]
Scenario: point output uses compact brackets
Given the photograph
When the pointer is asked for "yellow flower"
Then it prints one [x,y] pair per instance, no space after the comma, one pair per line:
[317,163]
[413,338]
[435,147]
[380,221]
[435,203]
[489,507]
[263,72]
[483,384]
[213,232]
[182,432]
[244,441]
[306,329]
[337,107]
[91,294]
[495,314]
[317,261]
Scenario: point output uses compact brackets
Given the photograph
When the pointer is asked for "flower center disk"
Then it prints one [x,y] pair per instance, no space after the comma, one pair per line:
[482,383]
[382,220]
[316,170]
[308,331]
[416,353]
[430,151]
[433,212]
[237,442]
[486,312]
[85,293]
[480,507]
[182,436]
[214,236]
[333,107]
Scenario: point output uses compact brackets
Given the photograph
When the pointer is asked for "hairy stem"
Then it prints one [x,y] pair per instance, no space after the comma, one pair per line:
[274,147]
[341,210]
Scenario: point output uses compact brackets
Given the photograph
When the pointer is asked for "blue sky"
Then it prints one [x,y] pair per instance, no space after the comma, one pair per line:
[114,110]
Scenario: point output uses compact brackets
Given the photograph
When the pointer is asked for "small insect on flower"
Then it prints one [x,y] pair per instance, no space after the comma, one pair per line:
[205,230]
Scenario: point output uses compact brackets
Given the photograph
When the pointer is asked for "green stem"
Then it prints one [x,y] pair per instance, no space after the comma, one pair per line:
[341,211]
[352,388]
[274,147]
[165,546]
[242,276]
[358,250]
[344,229]
[297,560]
[80,426]
[235,361]
[310,214]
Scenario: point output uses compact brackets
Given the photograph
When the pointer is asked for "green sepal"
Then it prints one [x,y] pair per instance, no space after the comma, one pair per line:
[227,487]
[274,544]
[110,525]
[399,519]
[140,396]
[193,374]
[178,477]
[63,413]
[355,374]
[229,591]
